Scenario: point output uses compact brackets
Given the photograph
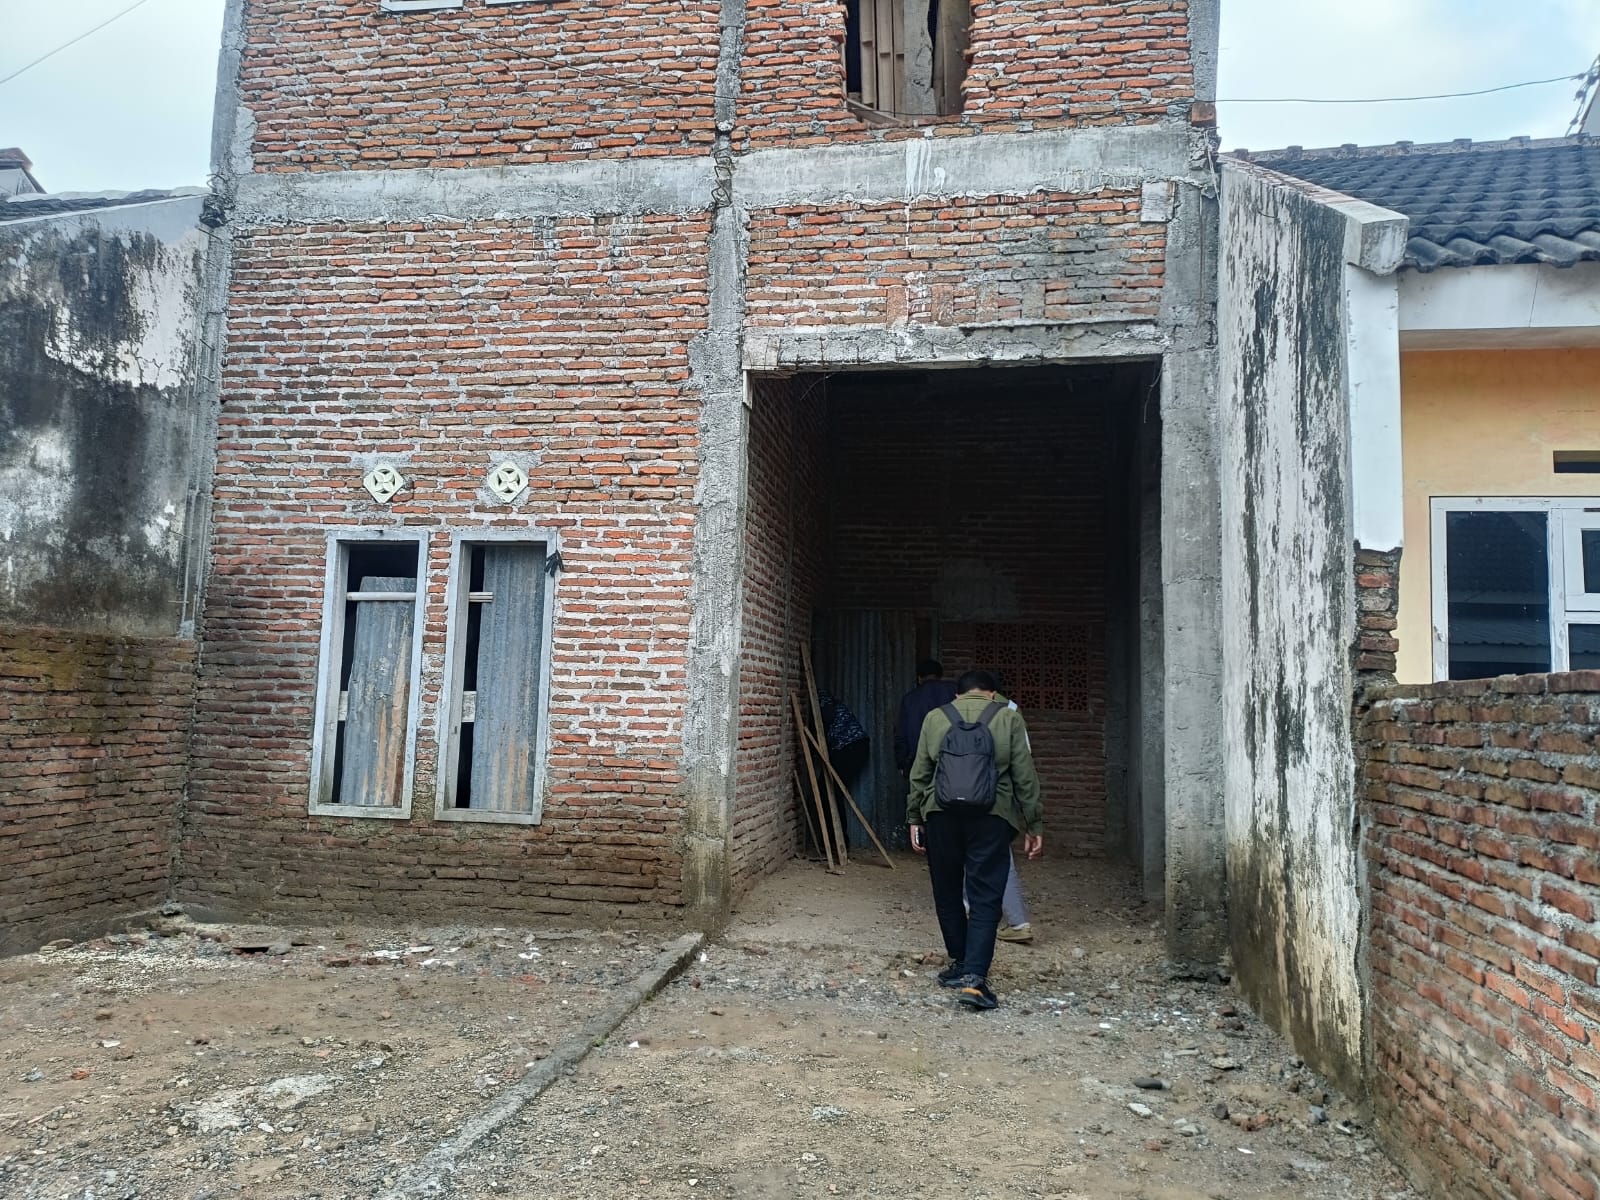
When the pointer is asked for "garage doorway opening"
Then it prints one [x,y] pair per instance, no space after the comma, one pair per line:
[997,518]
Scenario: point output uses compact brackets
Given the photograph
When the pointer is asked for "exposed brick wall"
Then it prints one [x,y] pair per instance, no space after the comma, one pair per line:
[341,85]
[994,509]
[1377,611]
[1483,851]
[92,750]
[449,347]
[1052,257]
[1034,64]
[782,573]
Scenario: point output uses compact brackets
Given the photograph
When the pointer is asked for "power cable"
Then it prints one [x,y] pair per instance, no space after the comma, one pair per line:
[1508,87]
[73,42]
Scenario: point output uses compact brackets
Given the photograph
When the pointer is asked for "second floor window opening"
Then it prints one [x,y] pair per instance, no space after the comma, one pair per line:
[906,58]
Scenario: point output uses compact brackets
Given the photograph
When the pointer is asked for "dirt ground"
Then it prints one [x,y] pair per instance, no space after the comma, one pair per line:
[808,1053]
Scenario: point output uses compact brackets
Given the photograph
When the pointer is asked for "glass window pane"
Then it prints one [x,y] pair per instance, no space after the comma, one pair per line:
[1584,643]
[1499,593]
[1591,560]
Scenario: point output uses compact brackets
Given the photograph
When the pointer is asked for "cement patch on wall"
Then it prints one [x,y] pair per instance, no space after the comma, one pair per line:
[99,316]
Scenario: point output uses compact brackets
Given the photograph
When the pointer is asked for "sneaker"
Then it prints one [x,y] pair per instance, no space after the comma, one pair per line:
[974,993]
[951,976]
[1016,933]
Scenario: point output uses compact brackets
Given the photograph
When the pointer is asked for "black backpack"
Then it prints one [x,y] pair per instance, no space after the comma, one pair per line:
[965,780]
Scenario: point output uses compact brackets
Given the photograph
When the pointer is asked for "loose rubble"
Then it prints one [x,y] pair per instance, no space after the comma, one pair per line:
[807,1051]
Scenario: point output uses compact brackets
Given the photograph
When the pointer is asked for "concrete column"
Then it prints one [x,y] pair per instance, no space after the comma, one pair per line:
[711,721]
[1191,583]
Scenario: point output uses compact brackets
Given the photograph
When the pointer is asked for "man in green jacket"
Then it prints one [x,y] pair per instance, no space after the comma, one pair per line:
[973,847]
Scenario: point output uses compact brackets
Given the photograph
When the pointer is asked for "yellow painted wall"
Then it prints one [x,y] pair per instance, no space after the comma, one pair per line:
[1484,423]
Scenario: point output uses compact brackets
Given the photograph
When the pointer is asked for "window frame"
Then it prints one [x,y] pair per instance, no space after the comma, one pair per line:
[324,736]
[1563,514]
[457,595]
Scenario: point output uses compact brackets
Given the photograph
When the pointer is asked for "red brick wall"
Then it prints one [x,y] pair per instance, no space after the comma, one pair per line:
[340,85]
[451,346]
[1053,257]
[782,573]
[1035,64]
[92,744]
[994,509]
[1484,867]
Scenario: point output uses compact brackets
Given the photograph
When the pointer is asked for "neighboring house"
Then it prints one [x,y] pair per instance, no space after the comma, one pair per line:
[16,174]
[1499,340]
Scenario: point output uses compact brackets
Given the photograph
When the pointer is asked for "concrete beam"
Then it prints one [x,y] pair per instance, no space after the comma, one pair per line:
[1066,160]
[847,347]
[623,186]
[1072,160]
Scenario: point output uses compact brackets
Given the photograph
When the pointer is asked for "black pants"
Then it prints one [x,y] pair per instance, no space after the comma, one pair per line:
[974,851]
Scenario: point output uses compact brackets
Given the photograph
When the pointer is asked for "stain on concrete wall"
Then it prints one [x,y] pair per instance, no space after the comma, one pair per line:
[99,420]
[1289,617]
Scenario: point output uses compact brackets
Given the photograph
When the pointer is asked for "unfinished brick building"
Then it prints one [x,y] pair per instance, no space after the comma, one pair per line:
[580,361]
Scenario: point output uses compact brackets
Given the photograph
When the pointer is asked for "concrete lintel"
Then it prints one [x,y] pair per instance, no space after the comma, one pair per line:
[1066,160]
[843,347]
[610,186]
[1374,237]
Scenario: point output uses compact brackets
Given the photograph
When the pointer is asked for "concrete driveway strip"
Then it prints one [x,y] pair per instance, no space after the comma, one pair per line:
[429,1177]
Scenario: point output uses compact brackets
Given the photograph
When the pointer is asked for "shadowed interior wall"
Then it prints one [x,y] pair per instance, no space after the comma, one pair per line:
[783,561]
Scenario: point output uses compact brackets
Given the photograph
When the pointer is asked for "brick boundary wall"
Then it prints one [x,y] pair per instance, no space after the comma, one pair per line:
[93,747]
[1483,854]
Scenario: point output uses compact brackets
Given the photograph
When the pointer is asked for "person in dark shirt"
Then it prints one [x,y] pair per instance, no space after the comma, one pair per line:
[933,690]
[848,742]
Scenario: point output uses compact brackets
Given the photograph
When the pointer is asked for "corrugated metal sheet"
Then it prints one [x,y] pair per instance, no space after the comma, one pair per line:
[868,659]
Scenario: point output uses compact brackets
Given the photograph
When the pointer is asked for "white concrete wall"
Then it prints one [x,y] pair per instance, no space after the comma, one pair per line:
[1289,357]
[101,433]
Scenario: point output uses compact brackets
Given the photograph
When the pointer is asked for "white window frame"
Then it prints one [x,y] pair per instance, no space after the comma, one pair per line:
[1566,517]
[450,701]
[324,732]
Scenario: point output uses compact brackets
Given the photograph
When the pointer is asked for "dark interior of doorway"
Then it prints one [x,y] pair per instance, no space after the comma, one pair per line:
[1003,518]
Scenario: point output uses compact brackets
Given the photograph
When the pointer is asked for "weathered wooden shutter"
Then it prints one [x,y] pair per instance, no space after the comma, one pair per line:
[510,645]
[378,700]
[882,53]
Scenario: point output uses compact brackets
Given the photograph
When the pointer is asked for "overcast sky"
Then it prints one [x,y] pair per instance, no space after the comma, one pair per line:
[130,106]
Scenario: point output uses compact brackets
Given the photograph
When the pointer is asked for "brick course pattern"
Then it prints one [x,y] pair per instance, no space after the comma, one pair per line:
[1049,257]
[341,85]
[1377,615]
[782,574]
[446,348]
[1034,64]
[93,734]
[1483,805]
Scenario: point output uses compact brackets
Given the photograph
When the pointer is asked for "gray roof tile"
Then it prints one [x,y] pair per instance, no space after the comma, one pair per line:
[1471,204]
